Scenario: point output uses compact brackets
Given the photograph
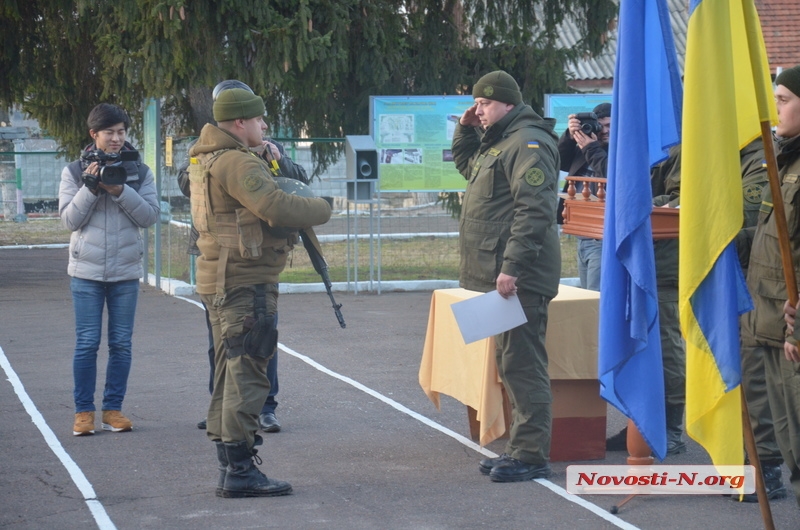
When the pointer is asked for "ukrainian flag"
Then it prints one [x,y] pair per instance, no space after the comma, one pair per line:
[728,93]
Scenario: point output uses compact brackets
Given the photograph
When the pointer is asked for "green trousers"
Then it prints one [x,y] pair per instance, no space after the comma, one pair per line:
[240,382]
[522,365]
[754,384]
[673,349]
[783,390]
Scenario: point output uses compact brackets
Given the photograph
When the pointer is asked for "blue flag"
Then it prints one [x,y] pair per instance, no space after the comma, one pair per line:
[645,122]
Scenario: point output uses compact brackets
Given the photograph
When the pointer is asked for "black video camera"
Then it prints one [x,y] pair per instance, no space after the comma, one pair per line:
[589,123]
[111,171]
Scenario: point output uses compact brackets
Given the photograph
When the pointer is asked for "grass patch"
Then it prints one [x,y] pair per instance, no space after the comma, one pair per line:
[418,258]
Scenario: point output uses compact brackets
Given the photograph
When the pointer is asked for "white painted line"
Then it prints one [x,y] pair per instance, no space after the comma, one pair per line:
[555,488]
[96,507]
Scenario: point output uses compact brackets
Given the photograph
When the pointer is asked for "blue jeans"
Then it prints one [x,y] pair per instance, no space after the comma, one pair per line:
[272,371]
[590,254]
[89,298]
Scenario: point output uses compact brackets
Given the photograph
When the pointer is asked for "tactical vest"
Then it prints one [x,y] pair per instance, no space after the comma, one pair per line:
[241,230]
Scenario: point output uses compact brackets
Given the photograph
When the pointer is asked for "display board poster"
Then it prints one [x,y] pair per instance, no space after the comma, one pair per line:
[560,106]
[413,135]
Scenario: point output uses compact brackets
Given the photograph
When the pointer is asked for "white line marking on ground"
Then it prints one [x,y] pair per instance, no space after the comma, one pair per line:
[95,506]
[555,488]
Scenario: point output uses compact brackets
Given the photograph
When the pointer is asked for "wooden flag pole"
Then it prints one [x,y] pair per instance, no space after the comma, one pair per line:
[752,453]
[779,213]
[638,455]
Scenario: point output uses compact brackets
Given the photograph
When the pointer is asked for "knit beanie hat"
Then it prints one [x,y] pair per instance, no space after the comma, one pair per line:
[603,110]
[790,79]
[237,103]
[498,86]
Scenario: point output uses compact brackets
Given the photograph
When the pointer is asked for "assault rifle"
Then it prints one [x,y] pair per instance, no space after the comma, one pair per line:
[311,244]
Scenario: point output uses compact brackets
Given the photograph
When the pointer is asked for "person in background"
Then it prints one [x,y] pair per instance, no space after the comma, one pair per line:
[508,240]
[586,155]
[105,260]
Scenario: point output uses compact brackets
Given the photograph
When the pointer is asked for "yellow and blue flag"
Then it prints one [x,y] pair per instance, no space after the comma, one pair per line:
[645,122]
[728,95]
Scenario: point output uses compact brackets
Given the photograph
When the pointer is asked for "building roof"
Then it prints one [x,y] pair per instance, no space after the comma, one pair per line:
[780,22]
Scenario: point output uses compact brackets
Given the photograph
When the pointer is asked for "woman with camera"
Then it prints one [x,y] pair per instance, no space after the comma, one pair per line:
[105,198]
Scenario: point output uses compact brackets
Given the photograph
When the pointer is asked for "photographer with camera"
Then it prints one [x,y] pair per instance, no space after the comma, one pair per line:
[105,198]
[584,153]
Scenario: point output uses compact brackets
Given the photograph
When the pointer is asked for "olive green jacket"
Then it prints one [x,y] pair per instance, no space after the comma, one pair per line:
[765,278]
[508,214]
[234,203]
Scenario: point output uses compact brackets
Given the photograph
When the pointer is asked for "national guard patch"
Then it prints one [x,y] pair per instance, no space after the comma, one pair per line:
[488,91]
[534,176]
[752,193]
[252,182]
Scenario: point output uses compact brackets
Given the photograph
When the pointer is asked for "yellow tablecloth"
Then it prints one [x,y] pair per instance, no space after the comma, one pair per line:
[468,372]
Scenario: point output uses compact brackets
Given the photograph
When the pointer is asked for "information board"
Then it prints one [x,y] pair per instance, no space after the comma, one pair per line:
[560,106]
[413,135]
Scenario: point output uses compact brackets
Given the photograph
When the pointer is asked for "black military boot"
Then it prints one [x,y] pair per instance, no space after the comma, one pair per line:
[675,443]
[222,456]
[244,479]
[773,483]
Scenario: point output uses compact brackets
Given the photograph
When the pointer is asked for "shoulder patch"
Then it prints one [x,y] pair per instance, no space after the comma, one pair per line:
[752,193]
[534,176]
[252,182]
[791,178]
[494,152]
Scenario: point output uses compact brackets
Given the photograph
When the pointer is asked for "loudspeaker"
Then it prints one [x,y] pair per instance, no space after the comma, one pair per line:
[362,158]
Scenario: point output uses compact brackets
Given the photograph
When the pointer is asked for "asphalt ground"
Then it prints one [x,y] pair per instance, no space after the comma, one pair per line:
[361,444]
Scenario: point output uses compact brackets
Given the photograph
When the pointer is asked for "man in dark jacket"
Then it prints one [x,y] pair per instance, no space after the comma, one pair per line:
[586,155]
[509,242]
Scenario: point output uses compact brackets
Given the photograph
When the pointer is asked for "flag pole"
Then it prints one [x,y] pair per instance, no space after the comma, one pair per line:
[759,69]
[779,213]
[754,37]
[752,452]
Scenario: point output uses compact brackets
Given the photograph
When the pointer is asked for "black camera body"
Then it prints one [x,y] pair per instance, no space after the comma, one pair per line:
[589,123]
[111,171]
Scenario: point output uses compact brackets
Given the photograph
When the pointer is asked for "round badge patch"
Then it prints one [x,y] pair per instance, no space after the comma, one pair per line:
[488,91]
[252,182]
[752,193]
[534,176]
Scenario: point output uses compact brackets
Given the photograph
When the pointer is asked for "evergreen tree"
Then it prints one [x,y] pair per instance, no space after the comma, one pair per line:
[315,62]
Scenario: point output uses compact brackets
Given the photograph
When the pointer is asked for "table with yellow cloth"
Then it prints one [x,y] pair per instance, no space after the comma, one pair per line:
[468,373]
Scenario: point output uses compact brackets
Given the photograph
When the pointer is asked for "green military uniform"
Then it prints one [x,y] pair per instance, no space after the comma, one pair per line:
[764,327]
[234,201]
[754,383]
[666,182]
[666,190]
[508,225]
